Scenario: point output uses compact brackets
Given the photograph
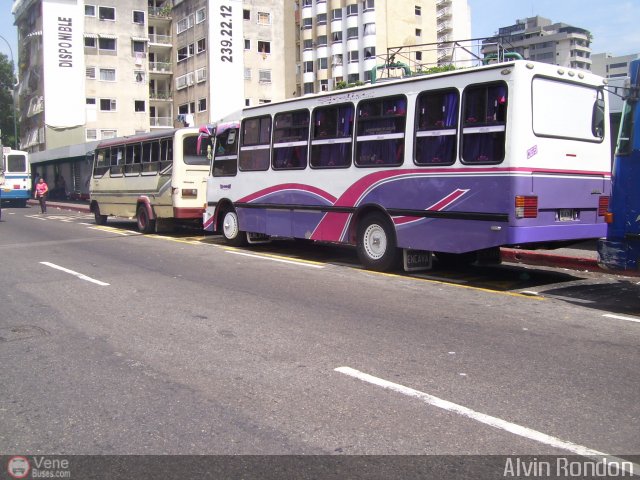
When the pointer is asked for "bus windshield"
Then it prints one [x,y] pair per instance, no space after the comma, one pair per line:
[626,129]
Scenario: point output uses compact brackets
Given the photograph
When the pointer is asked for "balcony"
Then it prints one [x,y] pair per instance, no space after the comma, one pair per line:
[161,122]
[157,39]
[160,67]
[444,13]
[444,27]
[443,3]
[160,96]
[160,12]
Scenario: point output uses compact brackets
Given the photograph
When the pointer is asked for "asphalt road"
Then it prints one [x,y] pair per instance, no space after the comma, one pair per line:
[117,343]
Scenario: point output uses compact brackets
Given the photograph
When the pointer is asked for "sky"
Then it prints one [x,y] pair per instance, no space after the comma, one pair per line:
[613,23]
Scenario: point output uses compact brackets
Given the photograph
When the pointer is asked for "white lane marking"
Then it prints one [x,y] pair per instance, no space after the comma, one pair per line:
[79,275]
[301,264]
[84,223]
[115,230]
[620,317]
[483,418]
[37,217]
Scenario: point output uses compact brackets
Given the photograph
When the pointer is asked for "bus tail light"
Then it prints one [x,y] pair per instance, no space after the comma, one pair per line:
[526,207]
[189,192]
[603,205]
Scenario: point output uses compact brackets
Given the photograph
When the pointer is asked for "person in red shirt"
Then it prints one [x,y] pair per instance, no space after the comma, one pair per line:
[41,194]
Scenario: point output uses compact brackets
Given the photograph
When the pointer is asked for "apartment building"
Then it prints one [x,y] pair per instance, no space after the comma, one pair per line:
[537,38]
[612,66]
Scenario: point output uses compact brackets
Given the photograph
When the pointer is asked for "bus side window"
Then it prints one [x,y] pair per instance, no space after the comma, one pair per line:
[255,144]
[166,152]
[437,123]
[101,163]
[332,138]
[290,137]
[225,159]
[380,131]
[483,132]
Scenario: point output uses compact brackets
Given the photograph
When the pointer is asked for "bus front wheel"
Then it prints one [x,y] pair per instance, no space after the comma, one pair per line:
[145,224]
[99,218]
[377,248]
[231,229]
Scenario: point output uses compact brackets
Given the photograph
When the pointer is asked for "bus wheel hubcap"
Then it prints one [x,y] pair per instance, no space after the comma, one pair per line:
[375,242]
[230,226]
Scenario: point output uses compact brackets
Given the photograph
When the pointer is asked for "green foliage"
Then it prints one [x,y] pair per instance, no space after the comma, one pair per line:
[7,81]
[443,68]
[343,84]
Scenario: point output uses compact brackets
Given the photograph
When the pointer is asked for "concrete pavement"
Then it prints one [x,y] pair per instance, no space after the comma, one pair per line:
[580,256]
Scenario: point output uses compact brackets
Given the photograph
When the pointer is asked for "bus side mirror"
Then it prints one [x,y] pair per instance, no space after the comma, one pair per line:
[597,117]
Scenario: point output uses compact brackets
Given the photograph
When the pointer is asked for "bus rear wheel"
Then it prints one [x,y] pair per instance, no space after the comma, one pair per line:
[377,248]
[99,218]
[231,229]
[145,224]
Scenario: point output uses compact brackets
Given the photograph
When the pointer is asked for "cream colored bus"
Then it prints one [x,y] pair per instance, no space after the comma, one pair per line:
[158,178]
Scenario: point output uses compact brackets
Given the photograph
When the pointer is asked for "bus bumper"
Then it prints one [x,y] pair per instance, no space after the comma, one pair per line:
[208,219]
[616,255]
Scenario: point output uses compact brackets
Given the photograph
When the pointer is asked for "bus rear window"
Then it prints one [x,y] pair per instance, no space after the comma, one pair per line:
[564,110]
[190,152]
[16,163]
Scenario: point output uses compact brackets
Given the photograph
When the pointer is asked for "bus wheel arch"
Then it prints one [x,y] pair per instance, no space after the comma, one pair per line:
[375,239]
[145,217]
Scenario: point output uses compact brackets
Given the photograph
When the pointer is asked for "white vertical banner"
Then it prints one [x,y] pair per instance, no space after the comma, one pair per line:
[226,47]
[63,48]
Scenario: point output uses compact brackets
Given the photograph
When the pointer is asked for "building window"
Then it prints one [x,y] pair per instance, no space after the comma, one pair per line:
[107,13]
[336,37]
[139,106]
[138,17]
[369,4]
[307,3]
[352,32]
[90,11]
[106,134]
[107,104]
[138,47]
[369,28]
[353,56]
[139,76]
[307,44]
[307,23]
[247,74]
[201,75]
[322,40]
[201,15]
[201,46]
[202,105]
[90,101]
[91,73]
[89,42]
[108,74]
[418,56]
[91,134]
[185,24]
[262,101]
[352,9]
[336,14]
[264,76]
[324,85]
[264,47]
[322,19]
[185,52]
[353,78]
[246,14]
[418,10]
[336,60]
[107,44]
[247,44]
[308,87]
[418,32]
[264,18]
[307,66]
[247,102]
[322,63]
[370,52]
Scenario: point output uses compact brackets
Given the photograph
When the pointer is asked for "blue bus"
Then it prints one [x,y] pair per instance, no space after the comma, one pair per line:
[620,250]
[16,171]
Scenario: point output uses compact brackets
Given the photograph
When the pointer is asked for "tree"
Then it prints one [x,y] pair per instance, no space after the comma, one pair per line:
[7,81]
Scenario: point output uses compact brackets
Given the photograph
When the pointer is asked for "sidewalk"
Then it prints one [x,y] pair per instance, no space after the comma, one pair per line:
[580,256]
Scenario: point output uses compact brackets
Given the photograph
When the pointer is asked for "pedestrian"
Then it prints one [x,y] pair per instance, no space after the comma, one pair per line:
[41,194]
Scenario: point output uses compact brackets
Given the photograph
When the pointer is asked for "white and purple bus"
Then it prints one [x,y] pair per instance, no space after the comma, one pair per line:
[457,164]
[15,186]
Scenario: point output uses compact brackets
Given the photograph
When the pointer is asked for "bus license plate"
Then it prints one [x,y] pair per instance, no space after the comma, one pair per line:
[566,215]
[415,260]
